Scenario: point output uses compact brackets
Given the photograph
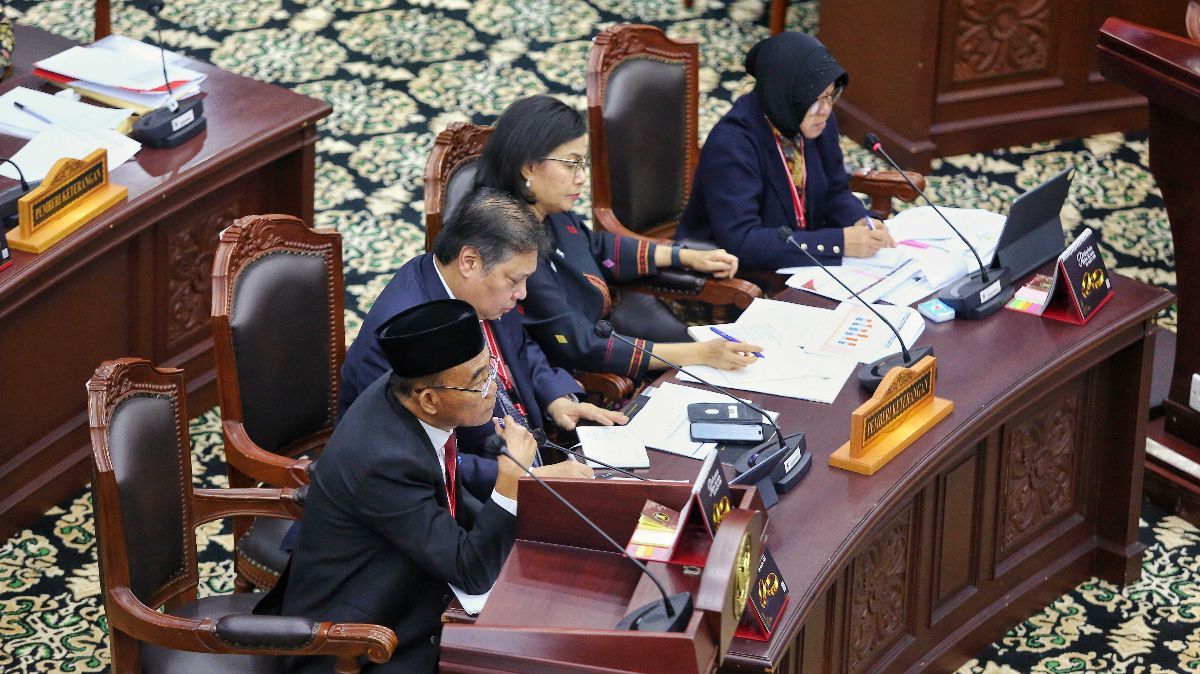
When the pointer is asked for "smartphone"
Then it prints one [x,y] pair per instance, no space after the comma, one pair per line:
[722,413]
[704,431]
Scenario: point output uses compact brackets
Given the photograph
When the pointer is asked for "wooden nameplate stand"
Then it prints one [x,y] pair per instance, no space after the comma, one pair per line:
[899,412]
[563,589]
[74,192]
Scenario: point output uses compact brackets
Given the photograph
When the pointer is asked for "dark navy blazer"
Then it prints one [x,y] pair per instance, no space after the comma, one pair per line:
[740,195]
[537,383]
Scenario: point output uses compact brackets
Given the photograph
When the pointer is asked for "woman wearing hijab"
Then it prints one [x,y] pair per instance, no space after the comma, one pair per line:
[773,160]
[538,151]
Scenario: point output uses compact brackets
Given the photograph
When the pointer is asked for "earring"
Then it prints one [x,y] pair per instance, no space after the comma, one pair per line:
[528,184]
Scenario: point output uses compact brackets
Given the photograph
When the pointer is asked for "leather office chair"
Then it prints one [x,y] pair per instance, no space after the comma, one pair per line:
[643,125]
[146,514]
[450,178]
[279,341]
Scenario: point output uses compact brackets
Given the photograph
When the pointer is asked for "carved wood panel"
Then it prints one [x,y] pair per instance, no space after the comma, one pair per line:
[879,591]
[1039,483]
[1000,38]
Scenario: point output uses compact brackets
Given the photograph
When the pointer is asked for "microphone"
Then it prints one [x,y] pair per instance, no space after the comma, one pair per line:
[792,447]
[672,614]
[12,195]
[539,436]
[175,122]
[871,374]
[977,296]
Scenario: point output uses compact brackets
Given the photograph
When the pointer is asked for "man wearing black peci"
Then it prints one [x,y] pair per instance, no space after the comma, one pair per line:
[388,527]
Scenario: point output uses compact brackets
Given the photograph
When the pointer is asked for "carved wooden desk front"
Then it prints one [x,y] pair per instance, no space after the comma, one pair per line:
[1030,486]
[135,281]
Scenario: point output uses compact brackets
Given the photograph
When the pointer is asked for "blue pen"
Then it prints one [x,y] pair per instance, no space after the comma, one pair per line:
[731,338]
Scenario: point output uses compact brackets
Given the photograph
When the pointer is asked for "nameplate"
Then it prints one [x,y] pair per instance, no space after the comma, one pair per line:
[900,411]
[74,192]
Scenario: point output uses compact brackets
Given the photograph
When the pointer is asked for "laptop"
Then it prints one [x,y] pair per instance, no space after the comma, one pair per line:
[1033,233]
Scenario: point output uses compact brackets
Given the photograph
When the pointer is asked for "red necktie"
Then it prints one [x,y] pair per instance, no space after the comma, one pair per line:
[451,469]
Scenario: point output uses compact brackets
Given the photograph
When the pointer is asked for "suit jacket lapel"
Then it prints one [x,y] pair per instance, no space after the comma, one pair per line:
[429,454]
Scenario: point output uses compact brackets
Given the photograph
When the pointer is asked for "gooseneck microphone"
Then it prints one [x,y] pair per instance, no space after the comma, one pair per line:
[672,614]
[175,122]
[539,436]
[871,374]
[976,296]
[791,452]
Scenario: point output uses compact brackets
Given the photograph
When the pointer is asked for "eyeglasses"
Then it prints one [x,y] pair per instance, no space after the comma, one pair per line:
[827,99]
[578,166]
[493,376]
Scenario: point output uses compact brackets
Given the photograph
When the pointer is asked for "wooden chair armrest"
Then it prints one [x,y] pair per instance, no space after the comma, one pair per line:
[883,186]
[345,641]
[605,219]
[610,387]
[243,454]
[717,292]
[215,504]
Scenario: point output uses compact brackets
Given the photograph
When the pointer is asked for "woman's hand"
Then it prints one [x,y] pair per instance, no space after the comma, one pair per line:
[716,262]
[865,242]
[726,355]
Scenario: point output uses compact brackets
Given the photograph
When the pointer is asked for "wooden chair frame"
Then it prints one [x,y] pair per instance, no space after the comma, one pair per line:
[245,241]
[130,620]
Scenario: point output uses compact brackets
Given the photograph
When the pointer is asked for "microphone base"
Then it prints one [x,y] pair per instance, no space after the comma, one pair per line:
[970,292]
[872,374]
[989,307]
[653,616]
[164,128]
[776,470]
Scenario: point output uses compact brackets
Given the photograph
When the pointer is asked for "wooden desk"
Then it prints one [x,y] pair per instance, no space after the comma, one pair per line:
[1030,486]
[942,77]
[135,281]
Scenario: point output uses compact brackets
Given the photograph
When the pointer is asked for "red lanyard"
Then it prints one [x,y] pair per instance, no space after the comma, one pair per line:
[796,201]
[501,366]
[451,471]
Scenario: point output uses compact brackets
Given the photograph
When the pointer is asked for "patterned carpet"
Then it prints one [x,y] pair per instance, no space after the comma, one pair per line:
[396,73]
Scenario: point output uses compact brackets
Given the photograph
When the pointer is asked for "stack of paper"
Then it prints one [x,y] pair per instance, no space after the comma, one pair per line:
[25,113]
[663,422]
[120,76]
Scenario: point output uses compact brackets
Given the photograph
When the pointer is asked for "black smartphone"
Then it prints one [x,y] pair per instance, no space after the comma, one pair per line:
[722,413]
[704,431]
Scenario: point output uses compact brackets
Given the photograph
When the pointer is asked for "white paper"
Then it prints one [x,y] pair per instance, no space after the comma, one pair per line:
[115,69]
[663,423]
[982,228]
[868,282]
[61,113]
[859,335]
[471,603]
[38,156]
[617,446]
[800,325]
[788,371]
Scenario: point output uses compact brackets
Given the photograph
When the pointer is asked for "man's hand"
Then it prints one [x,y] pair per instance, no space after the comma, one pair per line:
[565,469]
[522,446]
[567,414]
[716,262]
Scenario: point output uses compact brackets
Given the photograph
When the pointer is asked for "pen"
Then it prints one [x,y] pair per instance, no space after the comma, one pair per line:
[731,338]
[30,111]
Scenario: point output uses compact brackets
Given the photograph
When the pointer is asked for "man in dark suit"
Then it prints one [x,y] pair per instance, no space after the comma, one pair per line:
[483,256]
[388,527]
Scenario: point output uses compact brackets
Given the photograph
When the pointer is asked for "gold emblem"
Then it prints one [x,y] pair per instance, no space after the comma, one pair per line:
[767,587]
[742,569]
[720,510]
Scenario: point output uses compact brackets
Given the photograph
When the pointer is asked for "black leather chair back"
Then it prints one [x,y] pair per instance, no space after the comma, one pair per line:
[459,187]
[154,475]
[281,342]
[645,128]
